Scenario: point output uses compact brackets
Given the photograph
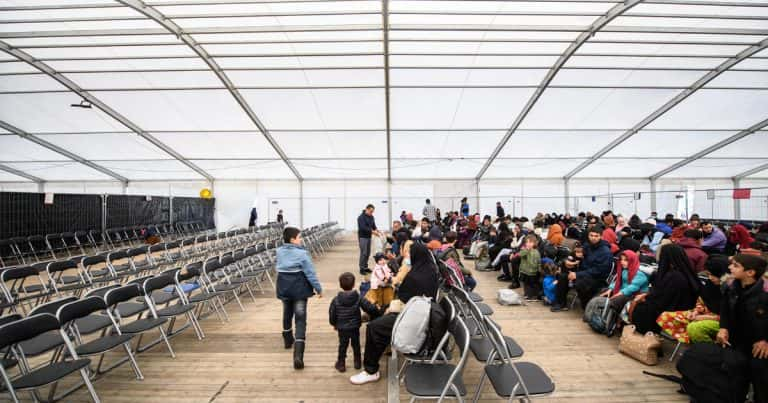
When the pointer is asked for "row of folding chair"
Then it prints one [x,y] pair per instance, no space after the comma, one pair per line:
[63,326]
[433,375]
[60,325]
[37,248]
[26,286]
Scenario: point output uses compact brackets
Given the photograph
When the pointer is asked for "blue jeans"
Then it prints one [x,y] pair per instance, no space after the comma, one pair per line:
[295,308]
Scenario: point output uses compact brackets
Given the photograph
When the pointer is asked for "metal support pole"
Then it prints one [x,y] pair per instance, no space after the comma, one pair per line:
[125,188]
[477,195]
[653,194]
[104,212]
[736,202]
[389,203]
[170,211]
[301,204]
[567,195]
[41,187]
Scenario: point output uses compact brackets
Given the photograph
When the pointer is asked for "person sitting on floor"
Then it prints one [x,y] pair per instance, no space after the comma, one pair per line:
[417,277]
[344,316]
[675,287]
[744,319]
[593,273]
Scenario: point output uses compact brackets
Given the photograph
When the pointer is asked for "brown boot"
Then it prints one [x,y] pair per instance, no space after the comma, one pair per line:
[341,366]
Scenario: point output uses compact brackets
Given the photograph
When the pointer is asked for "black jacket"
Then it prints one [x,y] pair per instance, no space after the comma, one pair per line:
[344,312]
[365,225]
[499,212]
[744,313]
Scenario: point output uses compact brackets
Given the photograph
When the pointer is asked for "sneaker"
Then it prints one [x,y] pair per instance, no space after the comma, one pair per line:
[558,308]
[340,366]
[364,377]
[504,277]
[365,271]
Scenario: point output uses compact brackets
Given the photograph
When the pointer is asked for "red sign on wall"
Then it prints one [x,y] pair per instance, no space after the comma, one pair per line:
[742,193]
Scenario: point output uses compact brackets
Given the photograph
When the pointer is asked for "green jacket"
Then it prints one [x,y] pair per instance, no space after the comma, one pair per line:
[530,262]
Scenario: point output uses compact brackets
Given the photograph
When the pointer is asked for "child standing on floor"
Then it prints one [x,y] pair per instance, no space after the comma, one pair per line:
[381,292]
[550,271]
[344,315]
[530,264]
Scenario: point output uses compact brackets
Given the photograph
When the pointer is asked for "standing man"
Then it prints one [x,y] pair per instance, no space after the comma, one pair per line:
[499,211]
[429,212]
[366,226]
[464,207]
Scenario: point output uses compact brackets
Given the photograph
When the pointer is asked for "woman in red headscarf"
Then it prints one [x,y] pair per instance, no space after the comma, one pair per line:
[610,236]
[739,236]
[629,282]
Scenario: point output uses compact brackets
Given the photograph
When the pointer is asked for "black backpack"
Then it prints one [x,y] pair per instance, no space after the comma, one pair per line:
[712,374]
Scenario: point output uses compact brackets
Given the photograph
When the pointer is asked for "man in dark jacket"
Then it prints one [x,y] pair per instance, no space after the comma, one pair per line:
[593,272]
[744,319]
[499,211]
[366,226]
[344,316]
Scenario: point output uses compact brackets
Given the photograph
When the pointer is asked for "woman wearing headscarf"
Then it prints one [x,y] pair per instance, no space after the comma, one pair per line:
[417,277]
[630,282]
[622,222]
[700,324]
[610,236]
[675,288]
[739,236]
[555,234]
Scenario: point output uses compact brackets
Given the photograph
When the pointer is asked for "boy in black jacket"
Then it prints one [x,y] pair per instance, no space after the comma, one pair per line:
[744,318]
[344,315]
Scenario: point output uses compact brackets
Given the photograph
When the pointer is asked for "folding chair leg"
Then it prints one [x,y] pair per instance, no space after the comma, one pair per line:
[89,385]
[221,305]
[134,364]
[234,292]
[674,352]
[250,292]
[479,388]
[167,343]
[195,325]
[8,386]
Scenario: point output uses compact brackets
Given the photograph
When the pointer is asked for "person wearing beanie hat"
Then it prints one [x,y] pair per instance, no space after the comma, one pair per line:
[744,319]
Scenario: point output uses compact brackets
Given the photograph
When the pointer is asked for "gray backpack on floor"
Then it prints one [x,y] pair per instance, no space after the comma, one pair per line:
[410,329]
[506,296]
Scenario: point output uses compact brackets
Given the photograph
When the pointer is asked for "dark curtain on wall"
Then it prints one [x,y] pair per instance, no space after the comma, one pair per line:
[127,211]
[24,214]
[187,209]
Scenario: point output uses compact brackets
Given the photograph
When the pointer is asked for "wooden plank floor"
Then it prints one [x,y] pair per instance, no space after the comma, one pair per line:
[243,360]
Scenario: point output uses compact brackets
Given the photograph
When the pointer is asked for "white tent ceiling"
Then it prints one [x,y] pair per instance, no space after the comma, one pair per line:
[399,89]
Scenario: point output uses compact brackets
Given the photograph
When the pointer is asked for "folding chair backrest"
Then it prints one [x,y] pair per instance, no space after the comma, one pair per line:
[122,294]
[16,273]
[497,341]
[27,328]
[9,318]
[80,309]
[62,265]
[157,283]
[51,307]
[100,292]
[447,305]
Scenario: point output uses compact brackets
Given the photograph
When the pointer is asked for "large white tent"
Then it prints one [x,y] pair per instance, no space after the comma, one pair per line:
[320,107]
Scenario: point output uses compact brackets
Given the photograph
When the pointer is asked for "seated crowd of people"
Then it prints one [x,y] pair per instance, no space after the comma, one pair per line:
[692,280]
[696,281]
